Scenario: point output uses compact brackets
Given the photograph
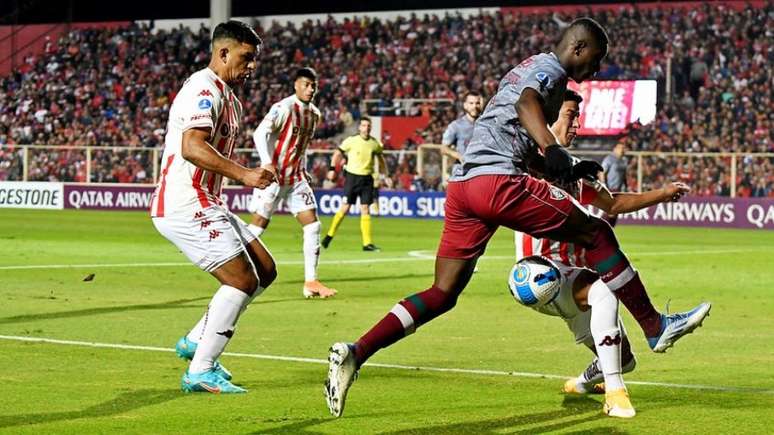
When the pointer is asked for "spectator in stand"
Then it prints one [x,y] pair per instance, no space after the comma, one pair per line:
[117,84]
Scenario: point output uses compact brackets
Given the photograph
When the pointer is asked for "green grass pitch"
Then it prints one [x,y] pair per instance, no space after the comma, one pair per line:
[147,296]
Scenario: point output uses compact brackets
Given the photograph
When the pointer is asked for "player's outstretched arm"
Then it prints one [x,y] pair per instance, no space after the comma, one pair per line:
[198,151]
[625,202]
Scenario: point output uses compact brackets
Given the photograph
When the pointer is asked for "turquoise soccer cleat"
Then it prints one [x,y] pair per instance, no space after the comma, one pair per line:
[208,382]
[185,349]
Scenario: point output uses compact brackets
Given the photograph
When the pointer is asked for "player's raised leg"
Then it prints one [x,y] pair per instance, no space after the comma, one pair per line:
[604,255]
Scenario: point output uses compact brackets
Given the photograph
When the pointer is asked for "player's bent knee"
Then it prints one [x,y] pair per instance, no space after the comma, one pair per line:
[267,276]
[245,281]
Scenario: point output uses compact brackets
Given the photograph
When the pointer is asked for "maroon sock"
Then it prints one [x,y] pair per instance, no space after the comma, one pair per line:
[634,297]
[613,268]
[402,320]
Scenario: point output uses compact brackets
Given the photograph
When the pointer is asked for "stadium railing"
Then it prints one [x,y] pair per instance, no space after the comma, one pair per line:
[710,174]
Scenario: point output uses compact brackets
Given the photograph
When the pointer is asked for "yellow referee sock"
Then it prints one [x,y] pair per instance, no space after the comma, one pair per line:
[337,218]
[365,229]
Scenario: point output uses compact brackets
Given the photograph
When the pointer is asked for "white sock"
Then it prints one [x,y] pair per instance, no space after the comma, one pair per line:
[311,250]
[251,298]
[606,333]
[256,230]
[196,333]
[221,318]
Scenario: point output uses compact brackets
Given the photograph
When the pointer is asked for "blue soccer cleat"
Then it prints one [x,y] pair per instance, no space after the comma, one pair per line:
[185,349]
[208,382]
[675,326]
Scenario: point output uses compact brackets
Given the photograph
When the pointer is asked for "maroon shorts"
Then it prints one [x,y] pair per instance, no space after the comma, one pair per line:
[475,208]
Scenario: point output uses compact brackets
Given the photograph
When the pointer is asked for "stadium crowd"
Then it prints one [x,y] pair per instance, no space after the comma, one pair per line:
[113,87]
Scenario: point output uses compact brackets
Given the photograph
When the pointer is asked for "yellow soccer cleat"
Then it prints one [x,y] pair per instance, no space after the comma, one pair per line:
[571,387]
[617,404]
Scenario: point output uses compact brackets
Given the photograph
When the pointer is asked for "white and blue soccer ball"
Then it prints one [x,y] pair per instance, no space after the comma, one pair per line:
[534,281]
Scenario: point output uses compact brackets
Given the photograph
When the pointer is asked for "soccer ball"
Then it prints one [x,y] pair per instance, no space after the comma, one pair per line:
[534,281]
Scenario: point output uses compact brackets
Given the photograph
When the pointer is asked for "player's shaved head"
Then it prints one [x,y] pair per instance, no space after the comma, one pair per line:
[581,48]
[585,29]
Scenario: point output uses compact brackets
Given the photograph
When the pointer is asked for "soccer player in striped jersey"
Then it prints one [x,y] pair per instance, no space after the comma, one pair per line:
[186,207]
[584,302]
[281,139]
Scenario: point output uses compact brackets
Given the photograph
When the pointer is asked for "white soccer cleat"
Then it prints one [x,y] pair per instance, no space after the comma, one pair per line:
[342,371]
[316,289]
[678,325]
[617,404]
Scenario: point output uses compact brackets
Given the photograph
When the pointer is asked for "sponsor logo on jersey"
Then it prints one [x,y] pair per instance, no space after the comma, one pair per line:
[273,113]
[543,79]
[201,116]
[205,104]
[557,193]
[205,93]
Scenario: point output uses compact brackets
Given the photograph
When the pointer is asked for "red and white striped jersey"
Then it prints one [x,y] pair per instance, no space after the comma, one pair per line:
[283,136]
[562,252]
[204,101]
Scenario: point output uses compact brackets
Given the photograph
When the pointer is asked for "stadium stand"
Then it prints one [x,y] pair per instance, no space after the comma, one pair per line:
[111,87]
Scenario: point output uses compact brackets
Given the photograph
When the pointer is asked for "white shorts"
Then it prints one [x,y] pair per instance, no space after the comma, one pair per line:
[564,306]
[297,198]
[209,238]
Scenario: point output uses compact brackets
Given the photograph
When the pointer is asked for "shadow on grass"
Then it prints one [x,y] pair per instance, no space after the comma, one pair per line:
[300,427]
[576,410]
[177,304]
[124,402]
[514,424]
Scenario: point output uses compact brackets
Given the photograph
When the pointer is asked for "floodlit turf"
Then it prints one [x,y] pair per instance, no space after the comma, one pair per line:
[59,388]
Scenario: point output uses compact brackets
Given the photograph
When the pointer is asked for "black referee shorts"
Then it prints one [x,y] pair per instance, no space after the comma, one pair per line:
[361,186]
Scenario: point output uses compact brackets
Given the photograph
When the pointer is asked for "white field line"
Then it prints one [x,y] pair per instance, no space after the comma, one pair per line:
[387,366]
[412,256]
